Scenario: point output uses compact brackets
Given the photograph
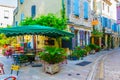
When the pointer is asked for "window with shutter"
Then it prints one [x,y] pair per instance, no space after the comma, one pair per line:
[115,27]
[85,10]
[16,23]
[76,11]
[112,27]
[22,16]
[33,11]
[21,1]
[68,7]
[103,22]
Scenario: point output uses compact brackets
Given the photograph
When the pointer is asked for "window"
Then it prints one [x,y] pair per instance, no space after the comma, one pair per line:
[21,1]
[1,24]
[103,6]
[108,9]
[68,7]
[22,16]
[16,23]
[76,8]
[33,11]
[85,10]
[6,14]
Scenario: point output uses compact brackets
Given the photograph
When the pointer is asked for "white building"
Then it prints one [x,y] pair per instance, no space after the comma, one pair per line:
[6,15]
[106,11]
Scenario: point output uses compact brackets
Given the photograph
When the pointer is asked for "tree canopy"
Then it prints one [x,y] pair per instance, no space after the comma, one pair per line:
[47,20]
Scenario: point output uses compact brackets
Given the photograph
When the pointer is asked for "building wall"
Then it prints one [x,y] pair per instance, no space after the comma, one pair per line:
[6,15]
[42,7]
[80,20]
[113,10]
[82,26]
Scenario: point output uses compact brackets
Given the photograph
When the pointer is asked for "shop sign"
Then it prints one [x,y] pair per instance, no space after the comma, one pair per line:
[15,67]
[94,22]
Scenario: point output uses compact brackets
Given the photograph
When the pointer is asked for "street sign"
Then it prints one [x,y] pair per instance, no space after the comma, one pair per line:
[15,68]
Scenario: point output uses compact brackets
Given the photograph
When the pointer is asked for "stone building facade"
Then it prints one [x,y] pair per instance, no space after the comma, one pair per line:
[79,21]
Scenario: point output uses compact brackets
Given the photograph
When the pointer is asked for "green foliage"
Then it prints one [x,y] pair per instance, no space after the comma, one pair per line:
[47,20]
[4,40]
[28,21]
[98,48]
[92,46]
[23,58]
[78,52]
[82,52]
[95,47]
[52,20]
[52,55]
[63,10]
[87,48]
[97,33]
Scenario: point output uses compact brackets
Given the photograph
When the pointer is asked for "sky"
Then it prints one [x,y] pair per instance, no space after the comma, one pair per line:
[8,2]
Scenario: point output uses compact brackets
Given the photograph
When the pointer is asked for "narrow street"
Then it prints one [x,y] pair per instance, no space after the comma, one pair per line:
[104,66]
[108,67]
[112,66]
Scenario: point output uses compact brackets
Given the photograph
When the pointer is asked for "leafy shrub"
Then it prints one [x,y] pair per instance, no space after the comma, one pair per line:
[78,52]
[52,55]
[92,46]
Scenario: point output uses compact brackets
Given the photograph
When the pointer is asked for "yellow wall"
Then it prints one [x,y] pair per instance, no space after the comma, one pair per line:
[41,40]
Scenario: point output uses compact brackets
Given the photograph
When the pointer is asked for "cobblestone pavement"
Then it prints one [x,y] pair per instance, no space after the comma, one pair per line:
[112,66]
[68,71]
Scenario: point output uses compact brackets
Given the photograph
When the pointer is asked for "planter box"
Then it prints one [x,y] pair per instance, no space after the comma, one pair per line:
[73,58]
[92,51]
[51,68]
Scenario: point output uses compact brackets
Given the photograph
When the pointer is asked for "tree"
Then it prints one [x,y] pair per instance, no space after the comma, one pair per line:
[28,21]
[47,20]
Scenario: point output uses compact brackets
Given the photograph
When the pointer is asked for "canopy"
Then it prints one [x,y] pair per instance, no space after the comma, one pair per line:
[35,30]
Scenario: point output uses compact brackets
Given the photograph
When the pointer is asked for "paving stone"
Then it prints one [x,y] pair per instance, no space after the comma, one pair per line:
[37,73]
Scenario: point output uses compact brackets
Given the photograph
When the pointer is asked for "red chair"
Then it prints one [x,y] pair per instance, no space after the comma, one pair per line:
[11,77]
[1,69]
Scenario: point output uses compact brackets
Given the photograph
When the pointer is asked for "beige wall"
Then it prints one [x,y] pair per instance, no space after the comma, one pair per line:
[80,20]
[42,7]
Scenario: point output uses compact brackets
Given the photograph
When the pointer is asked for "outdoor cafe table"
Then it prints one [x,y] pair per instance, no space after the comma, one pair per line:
[16,58]
[31,57]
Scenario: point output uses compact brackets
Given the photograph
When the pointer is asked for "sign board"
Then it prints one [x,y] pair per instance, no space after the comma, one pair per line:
[94,22]
[15,67]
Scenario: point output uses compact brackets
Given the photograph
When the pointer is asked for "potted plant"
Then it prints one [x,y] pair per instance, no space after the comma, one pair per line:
[98,48]
[93,47]
[78,53]
[88,49]
[51,57]
[75,54]
[82,52]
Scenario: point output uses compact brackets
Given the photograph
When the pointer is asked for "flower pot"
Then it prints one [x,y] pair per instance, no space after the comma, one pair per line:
[81,58]
[51,68]
[73,58]
[92,51]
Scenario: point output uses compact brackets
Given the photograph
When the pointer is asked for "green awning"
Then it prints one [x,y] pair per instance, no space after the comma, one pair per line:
[35,30]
